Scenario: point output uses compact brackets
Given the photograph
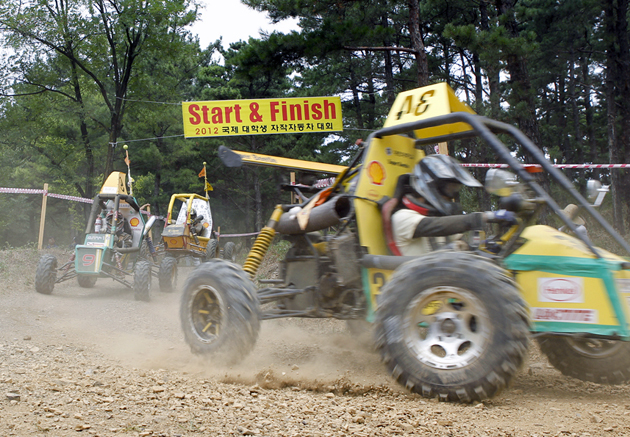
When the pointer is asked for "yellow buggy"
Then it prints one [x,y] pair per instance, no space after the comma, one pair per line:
[452,324]
[188,232]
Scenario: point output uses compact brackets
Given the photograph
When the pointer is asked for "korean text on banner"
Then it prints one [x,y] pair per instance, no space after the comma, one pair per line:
[261,116]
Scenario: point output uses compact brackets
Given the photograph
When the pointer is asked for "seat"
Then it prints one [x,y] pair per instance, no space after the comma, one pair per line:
[386,216]
[388,206]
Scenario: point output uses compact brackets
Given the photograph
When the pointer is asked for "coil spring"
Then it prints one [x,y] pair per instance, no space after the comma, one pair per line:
[258,251]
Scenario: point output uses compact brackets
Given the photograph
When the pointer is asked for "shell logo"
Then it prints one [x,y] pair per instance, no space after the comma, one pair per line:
[134,222]
[205,225]
[376,172]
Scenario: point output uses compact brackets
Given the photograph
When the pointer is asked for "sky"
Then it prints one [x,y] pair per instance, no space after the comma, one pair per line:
[234,21]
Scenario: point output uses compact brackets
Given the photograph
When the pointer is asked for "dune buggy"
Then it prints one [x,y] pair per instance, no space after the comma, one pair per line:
[117,245]
[451,324]
[190,234]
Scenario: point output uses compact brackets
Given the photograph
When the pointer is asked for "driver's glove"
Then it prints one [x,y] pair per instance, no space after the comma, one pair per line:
[500,216]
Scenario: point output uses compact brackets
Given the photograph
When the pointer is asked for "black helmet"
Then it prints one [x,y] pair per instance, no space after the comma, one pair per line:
[438,178]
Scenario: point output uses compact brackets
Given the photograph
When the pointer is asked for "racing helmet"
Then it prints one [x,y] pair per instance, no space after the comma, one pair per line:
[438,179]
[193,214]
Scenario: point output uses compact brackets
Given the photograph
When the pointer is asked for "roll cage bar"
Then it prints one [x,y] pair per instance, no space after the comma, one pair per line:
[486,128]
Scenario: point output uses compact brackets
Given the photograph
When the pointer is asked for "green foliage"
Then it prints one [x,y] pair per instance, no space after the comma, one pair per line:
[73,88]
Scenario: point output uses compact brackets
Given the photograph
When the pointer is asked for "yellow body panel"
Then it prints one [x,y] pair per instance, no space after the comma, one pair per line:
[115,183]
[386,160]
[566,282]
[298,164]
[427,102]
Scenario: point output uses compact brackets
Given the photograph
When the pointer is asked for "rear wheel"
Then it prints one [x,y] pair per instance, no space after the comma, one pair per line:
[168,274]
[588,359]
[452,325]
[229,251]
[142,281]
[220,311]
[86,281]
[211,249]
[46,274]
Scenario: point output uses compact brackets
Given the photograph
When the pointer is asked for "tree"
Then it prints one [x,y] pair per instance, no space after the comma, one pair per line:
[87,52]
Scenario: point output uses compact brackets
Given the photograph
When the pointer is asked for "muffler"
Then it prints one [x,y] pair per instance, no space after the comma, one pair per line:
[321,217]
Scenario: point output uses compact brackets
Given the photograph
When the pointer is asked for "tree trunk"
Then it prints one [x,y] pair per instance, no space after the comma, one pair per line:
[612,80]
[390,89]
[417,44]
[491,68]
[623,93]
[588,111]
[521,89]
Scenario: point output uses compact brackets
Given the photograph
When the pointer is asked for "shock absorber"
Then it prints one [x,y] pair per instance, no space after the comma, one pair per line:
[262,243]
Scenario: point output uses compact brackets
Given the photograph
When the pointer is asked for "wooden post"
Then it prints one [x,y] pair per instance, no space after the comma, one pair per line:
[443,148]
[149,215]
[42,219]
[292,183]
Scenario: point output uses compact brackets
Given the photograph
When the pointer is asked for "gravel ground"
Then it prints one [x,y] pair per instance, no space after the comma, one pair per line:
[95,361]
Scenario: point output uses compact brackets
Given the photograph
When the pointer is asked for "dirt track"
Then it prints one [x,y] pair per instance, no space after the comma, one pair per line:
[96,361]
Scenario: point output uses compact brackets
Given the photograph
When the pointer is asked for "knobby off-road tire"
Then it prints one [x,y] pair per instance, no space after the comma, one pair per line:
[220,312]
[452,325]
[211,249]
[86,281]
[142,281]
[594,360]
[46,274]
[145,252]
[167,277]
[229,252]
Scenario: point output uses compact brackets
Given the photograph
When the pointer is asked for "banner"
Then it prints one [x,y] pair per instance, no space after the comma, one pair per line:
[261,116]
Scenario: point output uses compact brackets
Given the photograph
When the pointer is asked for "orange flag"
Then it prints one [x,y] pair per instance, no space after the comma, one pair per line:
[202,173]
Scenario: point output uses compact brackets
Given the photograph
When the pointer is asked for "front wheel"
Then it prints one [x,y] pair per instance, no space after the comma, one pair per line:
[211,249]
[142,281]
[588,359]
[452,325]
[229,251]
[220,311]
[46,274]
[167,276]
[87,281]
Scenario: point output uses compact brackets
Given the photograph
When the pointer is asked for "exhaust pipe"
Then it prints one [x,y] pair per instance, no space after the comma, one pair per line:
[323,216]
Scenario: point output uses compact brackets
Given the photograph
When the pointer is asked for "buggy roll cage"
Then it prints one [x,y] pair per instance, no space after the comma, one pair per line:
[486,129]
[99,204]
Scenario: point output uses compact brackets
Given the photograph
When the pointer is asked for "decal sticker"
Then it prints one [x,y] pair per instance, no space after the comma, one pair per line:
[623,285]
[561,290]
[372,194]
[88,259]
[134,222]
[565,315]
[376,173]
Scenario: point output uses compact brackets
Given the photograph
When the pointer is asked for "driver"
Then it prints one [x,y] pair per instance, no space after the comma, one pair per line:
[429,213]
[123,230]
[196,225]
